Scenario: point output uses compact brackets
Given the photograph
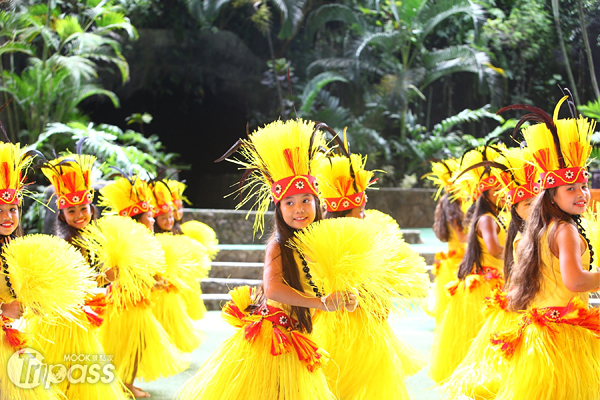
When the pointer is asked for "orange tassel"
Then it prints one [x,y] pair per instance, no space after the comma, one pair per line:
[252,330]
[95,320]
[307,350]
[507,341]
[280,344]
[16,339]
[472,281]
[452,287]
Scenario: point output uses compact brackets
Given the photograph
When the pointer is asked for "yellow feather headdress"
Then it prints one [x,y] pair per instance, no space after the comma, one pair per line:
[343,181]
[127,196]
[162,198]
[442,175]
[177,188]
[475,177]
[71,176]
[519,180]
[277,163]
[560,147]
[13,168]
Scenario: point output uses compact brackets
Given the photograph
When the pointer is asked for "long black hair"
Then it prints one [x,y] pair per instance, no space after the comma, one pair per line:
[517,224]
[448,214]
[473,253]
[282,233]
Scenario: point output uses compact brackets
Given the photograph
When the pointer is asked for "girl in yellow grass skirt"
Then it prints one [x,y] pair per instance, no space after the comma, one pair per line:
[482,370]
[554,352]
[71,177]
[272,355]
[480,271]
[449,227]
[382,266]
[130,332]
[168,303]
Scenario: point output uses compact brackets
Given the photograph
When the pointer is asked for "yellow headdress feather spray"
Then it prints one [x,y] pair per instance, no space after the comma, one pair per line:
[71,177]
[127,196]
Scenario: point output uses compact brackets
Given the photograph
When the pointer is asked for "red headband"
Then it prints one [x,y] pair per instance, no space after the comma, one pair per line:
[565,176]
[294,185]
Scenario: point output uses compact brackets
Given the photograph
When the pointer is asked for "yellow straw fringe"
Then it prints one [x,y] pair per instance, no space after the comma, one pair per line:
[204,234]
[50,277]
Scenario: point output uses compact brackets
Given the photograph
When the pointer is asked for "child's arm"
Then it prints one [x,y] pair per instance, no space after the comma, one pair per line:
[276,289]
[567,247]
[488,230]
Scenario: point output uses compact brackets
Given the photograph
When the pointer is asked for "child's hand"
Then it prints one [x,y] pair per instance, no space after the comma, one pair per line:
[351,302]
[12,310]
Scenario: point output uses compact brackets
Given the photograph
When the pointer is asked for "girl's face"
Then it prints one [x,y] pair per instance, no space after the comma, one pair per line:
[79,216]
[165,221]
[146,219]
[9,218]
[523,207]
[298,210]
[357,212]
[572,199]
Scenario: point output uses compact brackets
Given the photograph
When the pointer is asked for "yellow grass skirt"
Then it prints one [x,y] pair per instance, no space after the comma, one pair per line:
[135,338]
[368,360]
[461,323]
[483,369]
[77,347]
[553,360]
[169,309]
[193,301]
[260,361]
[445,269]
[18,371]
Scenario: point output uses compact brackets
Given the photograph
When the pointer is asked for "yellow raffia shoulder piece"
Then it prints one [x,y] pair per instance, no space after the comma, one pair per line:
[591,223]
[49,276]
[131,249]
[120,194]
[387,222]
[353,255]
[264,154]
[204,234]
[200,255]
[180,260]
[333,175]
[468,182]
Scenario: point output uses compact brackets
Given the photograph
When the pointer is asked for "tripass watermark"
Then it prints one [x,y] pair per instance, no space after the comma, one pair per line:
[26,369]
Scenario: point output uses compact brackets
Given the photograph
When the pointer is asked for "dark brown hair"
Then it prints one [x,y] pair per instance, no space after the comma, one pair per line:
[282,233]
[177,228]
[448,213]
[336,214]
[66,231]
[526,275]
[473,253]
[517,224]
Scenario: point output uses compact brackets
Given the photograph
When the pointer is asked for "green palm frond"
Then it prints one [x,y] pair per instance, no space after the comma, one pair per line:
[435,12]
[328,13]
[67,26]
[465,116]
[440,63]
[313,87]
[387,40]
[291,12]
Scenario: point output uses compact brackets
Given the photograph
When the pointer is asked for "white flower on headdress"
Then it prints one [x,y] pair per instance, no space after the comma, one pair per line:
[299,185]
[19,196]
[345,204]
[357,199]
[586,174]
[509,198]
[550,180]
[62,202]
[333,204]
[6,195]
[520,193]
[264,311]
[536,189]
[554,314]
[278,188]
[75,199]
[316,184]
[569,174]
[136,210]
[283,320]
[124,213]
[491,180]
[89,196]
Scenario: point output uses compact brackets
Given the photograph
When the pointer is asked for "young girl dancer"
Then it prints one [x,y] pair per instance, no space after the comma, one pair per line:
[480,373]
[554,352]
[272,356]
[71,177]
[480,270]
[385,359]
[131,333]
[449,226]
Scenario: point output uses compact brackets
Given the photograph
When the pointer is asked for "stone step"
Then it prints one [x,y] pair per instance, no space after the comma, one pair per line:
[236,270]
[224,285]
[256,254]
